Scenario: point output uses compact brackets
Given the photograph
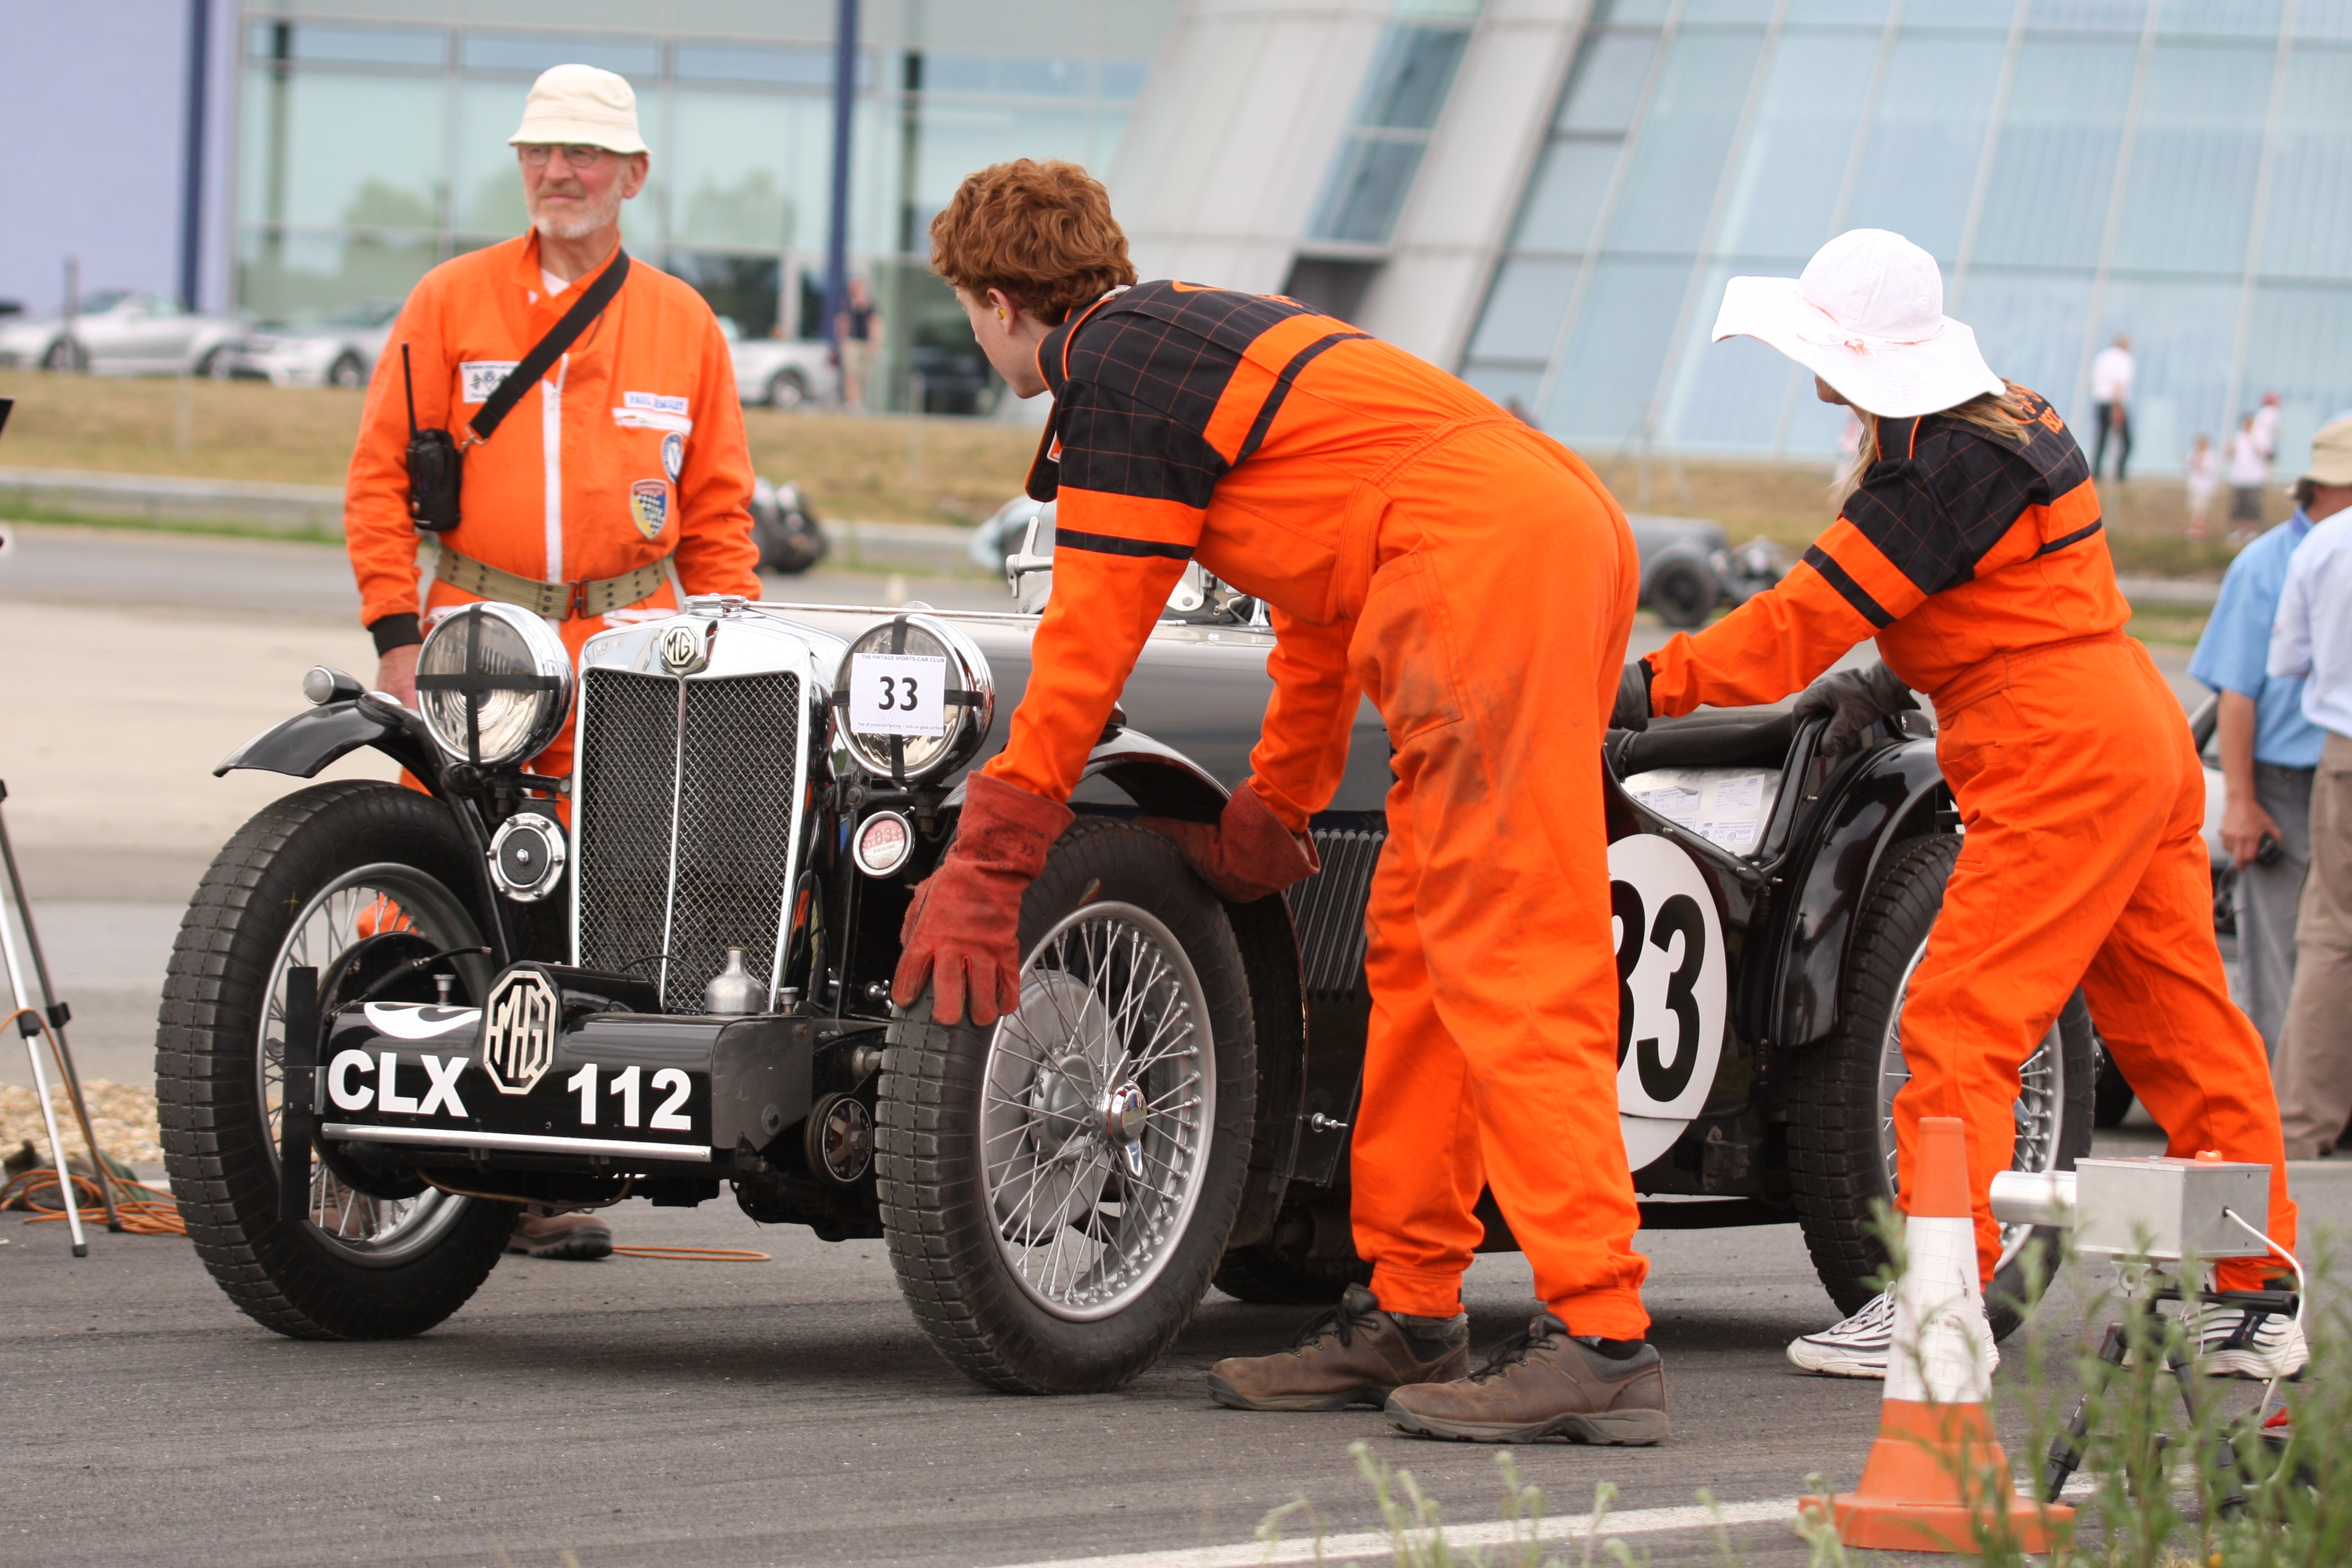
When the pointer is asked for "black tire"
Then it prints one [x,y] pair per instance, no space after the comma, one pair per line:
[2114,1095]
[948,1237]
[213,364]
[65,354]
[1840,1163]
[281,871]
[787,389]
[1682,591]
[347,373]
[1262,1275]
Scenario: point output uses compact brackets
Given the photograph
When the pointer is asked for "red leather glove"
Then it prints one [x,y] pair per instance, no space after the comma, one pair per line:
[962,932]
[1248,855]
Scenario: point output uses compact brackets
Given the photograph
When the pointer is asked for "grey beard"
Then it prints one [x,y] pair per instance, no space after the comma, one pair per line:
[582,226]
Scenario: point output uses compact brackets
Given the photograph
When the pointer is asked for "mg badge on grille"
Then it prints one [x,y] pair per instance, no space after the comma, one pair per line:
[518,1029]
[684,651]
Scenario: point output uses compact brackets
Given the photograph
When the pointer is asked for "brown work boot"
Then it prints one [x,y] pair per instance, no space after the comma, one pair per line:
[578,1237]
[1546,1383]
[1353,1354]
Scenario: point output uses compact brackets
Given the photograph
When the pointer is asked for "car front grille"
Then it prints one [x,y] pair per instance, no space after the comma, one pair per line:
[1329,909]
[685,791]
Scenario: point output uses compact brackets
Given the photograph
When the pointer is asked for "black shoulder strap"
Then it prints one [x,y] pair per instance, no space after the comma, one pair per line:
[549,349]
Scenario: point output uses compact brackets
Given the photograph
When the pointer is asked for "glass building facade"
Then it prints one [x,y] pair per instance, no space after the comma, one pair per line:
[2176,170]
[371,142]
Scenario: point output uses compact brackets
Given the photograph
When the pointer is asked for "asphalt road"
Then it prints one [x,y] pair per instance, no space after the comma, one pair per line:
[638,1411]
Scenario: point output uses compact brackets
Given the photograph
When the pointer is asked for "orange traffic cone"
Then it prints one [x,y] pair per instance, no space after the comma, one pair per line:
[1937,1471]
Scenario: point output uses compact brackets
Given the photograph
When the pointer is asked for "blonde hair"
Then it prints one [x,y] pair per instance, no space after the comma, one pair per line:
[2003,415]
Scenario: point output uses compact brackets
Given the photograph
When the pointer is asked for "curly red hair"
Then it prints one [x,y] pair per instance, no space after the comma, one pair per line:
[1043,232]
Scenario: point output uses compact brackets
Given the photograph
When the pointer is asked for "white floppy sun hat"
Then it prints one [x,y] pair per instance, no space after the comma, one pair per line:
[1867,317]
[579,106]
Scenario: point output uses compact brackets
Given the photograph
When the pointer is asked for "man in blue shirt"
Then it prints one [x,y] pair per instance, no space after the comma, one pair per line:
[2269,751]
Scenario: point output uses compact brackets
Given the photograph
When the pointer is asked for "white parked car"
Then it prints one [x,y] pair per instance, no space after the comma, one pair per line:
[781,373]
[338,350]
[126,333]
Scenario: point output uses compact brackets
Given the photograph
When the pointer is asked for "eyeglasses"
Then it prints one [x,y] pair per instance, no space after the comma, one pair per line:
[577,157]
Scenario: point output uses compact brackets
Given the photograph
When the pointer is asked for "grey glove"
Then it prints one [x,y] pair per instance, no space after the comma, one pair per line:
[1633,709]
[1853,700]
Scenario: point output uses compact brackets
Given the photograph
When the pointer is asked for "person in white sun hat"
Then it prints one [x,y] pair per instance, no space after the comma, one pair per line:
[1968,544]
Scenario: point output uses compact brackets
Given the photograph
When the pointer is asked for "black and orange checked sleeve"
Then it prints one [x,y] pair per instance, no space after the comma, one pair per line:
[1949,506]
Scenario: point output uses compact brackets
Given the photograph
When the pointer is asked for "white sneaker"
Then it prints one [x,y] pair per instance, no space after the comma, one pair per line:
[2246,1342]
[1858,1347]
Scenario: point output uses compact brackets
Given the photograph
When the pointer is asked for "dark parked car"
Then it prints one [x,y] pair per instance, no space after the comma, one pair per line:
[393,1015]
[1688,567]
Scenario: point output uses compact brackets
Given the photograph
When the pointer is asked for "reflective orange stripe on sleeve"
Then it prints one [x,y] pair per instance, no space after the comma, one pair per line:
[1862,575]
[1125,525]
[1255,392]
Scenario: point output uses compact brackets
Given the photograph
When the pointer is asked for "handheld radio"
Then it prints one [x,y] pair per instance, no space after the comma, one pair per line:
[433,467]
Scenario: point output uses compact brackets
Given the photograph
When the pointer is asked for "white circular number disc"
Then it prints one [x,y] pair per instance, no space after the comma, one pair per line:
[1671,984]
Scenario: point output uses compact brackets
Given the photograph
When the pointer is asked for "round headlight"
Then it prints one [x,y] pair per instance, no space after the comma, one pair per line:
[915,699]
[495,684]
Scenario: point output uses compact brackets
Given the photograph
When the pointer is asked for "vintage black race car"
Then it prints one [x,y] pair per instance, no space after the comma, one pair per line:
[393,1014]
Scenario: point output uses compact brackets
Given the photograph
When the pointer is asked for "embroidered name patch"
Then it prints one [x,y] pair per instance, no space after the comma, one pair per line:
[482,377]
[673,455]
[649,506]
[653,401]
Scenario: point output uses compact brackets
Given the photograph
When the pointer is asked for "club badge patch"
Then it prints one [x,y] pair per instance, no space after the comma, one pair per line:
[673,455]
[650,505]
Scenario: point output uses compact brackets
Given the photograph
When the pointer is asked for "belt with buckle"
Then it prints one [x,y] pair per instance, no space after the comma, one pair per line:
[555,601]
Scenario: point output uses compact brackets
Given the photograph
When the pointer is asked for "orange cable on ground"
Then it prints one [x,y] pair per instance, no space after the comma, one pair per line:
[695,1254]
[155,1214]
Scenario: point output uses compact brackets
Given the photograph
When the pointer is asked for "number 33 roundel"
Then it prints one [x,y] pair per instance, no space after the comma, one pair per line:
[1670,992]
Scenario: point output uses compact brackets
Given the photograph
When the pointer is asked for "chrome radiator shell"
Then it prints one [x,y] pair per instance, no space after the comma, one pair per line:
[690,795]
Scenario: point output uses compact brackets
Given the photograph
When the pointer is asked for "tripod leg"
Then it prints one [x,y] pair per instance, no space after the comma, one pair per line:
[2233,1501]
[57,1019]
[2065,1456]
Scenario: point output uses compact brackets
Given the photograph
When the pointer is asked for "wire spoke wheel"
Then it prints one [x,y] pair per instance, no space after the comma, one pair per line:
[2040,1108]
[1057,1187]
[353,878]
[367,901]
[1842,1150]
[1096,1118]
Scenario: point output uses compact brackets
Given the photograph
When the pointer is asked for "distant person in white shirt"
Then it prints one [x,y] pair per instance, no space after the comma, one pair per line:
[2313,638]
[2250,471]
[2198,468]
[2266,425]
[2111,384]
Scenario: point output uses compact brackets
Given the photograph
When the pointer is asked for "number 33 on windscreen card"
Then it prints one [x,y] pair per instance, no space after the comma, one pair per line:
[899,694]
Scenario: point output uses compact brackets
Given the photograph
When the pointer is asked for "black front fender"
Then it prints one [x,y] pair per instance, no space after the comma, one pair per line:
[1860,821]
[307,742]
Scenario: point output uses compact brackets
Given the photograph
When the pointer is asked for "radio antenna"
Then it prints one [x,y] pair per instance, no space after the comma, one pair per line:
[408,386]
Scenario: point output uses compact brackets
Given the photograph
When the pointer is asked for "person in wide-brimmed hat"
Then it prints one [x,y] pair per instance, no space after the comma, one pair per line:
[1969,545]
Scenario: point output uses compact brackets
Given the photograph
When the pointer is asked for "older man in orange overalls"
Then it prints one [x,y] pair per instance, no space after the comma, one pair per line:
[619,482]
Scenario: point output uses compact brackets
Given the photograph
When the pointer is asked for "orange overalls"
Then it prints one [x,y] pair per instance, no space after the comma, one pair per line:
[630,451]
[1981,569]
[1418,544]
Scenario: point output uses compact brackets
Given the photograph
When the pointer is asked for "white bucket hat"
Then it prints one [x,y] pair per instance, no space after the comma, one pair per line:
[1867,317]
[583,106]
